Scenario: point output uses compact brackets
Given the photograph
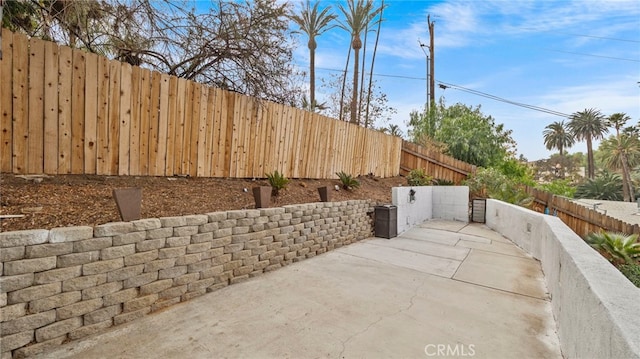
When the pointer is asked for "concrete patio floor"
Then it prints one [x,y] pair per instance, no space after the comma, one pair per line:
[442,289]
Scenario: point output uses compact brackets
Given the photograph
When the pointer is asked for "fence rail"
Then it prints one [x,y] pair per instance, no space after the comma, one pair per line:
[435,164]
[66,111]
[580,219]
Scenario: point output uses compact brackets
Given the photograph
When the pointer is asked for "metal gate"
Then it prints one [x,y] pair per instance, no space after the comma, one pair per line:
[479,210]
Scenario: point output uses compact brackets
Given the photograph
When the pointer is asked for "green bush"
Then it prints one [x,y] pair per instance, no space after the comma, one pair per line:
[494,184]
[623,249]
[560,187]
[417,177]
[442,182]
[277,182]
[631,271]
[347,181]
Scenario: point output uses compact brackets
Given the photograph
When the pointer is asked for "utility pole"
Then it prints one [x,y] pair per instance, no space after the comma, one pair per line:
[428,83]
[432,82]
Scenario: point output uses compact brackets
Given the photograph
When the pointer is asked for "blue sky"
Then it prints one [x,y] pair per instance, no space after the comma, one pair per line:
[561,55]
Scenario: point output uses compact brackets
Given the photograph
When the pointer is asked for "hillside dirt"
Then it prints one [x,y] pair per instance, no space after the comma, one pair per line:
[86,200]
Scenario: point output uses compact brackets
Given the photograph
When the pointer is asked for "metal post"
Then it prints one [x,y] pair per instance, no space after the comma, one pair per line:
[422,46]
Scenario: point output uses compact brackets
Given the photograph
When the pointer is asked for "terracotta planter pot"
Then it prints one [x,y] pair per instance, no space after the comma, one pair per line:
[325,193]
[262,196]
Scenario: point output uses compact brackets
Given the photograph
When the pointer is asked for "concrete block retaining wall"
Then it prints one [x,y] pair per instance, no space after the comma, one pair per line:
[596,308]
[68,283]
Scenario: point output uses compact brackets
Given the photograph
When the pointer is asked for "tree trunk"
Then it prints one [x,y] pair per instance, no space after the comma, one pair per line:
[627,186]
[590,163]
[354,97]
[367,122]
[344,82]
[312,75]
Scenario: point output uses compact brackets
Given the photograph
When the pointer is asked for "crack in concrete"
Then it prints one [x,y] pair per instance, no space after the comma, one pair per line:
[382,317]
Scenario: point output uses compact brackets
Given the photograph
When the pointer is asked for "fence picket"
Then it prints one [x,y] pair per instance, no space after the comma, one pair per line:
[124,147]
[90,113]
[20,103]
[6,103]
[102,120]
[50,107]
[36,106]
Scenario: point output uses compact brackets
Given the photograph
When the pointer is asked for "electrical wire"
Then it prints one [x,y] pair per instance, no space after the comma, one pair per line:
[588,36]
[471,91]
[592,55]
[496,98]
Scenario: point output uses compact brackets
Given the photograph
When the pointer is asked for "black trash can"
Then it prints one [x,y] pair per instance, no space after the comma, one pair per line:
[386,222]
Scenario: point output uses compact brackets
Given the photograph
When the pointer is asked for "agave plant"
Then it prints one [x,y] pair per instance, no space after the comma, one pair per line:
[621,247]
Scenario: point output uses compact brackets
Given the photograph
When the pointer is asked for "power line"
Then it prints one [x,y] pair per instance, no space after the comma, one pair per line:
[592,55]
[496,98]
[471,91]
[588,36]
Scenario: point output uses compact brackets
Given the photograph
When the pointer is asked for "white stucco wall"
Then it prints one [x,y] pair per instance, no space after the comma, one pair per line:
[451,203]
[412,213]
[595,306]
[431,202]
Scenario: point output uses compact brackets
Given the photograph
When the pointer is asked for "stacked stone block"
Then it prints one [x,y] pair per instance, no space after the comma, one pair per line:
[68,283]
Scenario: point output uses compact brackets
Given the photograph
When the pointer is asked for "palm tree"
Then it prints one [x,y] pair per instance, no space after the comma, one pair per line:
[607,186]
[313,23]
[394,130]
[357,19]
[556,135]
[621,152]
[588,125]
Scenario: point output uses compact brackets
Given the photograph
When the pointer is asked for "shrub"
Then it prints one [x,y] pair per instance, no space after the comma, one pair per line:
[442,182]
[494,184]
[277,182]
[417,177]
[347,181]
[622,248]
[560,187]
[631,271]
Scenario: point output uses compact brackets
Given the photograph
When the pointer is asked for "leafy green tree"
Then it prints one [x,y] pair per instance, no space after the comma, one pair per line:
[517,171]
[473,137]
[561,187]
[607,186]
[358,16]
[493,183]
[588,125]
[313,23]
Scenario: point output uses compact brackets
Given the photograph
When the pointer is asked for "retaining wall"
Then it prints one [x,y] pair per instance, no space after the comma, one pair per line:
[596,308]
[68,283]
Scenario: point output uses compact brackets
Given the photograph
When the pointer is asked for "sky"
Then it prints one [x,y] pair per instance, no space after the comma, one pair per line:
[565,56]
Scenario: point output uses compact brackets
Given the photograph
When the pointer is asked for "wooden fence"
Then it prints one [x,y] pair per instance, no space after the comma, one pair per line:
[435,164]
[580,219]
[66,111]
